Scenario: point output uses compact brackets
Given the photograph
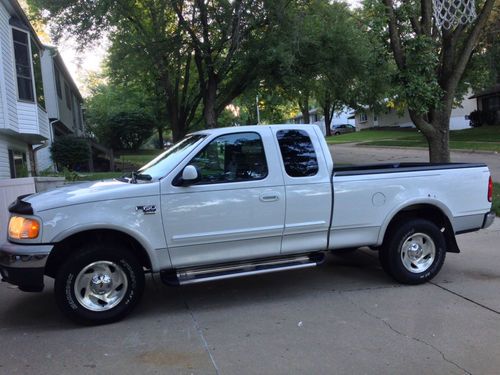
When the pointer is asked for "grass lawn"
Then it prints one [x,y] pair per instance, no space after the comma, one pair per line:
[496,198]
[138,158]
[485,138]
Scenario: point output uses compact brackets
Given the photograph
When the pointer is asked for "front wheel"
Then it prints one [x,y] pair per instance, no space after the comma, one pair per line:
[100,284]
[413,253]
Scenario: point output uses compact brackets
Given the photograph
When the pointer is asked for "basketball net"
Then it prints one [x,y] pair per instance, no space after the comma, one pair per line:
[450,13]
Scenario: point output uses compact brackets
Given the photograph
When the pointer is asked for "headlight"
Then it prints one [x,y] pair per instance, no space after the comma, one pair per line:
[21,228]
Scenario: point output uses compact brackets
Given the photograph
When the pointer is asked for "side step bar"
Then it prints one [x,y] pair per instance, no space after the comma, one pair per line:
[229,271]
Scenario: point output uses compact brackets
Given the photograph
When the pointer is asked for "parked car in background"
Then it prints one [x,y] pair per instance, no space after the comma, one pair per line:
[342,129]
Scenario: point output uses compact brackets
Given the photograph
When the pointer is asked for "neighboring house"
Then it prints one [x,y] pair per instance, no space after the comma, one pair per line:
[317,119]
[489,100]
[63,102]
[367,118]
[23,119]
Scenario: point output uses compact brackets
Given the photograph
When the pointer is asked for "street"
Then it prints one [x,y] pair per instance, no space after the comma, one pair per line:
[354,154]
[346,316]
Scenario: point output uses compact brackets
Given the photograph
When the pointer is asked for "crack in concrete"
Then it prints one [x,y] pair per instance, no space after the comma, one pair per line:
[202,337]
[465,298]
[416,339]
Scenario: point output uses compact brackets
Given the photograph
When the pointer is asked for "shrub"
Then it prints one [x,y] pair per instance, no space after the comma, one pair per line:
[127,130]
[70,152]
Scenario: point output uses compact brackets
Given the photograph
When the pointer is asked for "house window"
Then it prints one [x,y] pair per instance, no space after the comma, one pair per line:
[80,115]
[17,163]
[363,117]
[67,93]
[23,65]
[375,118]
[37,70]
[58,82]
[75,106]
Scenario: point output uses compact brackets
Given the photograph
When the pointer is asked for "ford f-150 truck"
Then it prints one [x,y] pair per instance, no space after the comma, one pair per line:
[233,202]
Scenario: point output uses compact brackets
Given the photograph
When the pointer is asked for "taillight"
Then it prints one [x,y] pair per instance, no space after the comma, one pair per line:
[490,190]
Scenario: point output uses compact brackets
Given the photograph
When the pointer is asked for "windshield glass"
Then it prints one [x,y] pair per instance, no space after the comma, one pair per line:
[165,162]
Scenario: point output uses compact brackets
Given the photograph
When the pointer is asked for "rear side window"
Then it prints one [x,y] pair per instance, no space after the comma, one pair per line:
[232,158]
[298,153]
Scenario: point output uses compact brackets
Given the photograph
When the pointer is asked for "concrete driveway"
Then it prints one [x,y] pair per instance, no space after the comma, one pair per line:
[354,154]
[346,316]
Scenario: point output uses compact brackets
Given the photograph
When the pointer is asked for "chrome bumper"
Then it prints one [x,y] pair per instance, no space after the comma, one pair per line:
[489,218]
[24,265]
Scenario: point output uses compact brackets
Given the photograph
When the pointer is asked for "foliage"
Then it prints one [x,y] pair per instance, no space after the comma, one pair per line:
[433,66]
[127,130]
[70,152]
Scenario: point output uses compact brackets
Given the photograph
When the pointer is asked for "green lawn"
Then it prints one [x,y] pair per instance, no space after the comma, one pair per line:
[138,158]
[496,198]
[485,138]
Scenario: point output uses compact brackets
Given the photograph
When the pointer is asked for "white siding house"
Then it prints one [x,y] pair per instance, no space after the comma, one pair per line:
[23,118]
[63,102]
[366,118]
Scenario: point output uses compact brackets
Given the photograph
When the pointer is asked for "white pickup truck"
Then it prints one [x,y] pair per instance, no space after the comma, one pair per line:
[233,202]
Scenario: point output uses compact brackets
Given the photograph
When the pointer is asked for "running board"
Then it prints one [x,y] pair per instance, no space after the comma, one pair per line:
[229,271]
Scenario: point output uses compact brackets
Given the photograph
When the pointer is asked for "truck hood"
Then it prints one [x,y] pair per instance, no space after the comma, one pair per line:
[86,192]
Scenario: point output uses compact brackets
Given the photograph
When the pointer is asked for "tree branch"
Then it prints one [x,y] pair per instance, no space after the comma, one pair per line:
[395,38]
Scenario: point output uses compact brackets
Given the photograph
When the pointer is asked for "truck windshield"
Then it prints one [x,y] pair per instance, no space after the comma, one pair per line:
[165,162]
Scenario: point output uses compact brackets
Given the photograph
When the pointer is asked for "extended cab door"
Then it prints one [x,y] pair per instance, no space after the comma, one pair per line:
[308,189]
[235,210]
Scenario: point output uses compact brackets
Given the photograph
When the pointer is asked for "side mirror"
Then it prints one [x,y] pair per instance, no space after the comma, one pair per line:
[190,174]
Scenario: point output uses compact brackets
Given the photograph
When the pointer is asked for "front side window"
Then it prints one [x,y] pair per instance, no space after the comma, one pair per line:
[297,151]
[23,65]
[232,158]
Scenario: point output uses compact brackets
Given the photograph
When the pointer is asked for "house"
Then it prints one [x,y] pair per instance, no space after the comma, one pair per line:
[24,123]
[64,103]
[489,101]
[390,117]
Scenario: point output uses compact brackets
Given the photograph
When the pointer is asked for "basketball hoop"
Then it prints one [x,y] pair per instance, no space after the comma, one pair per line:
[450,13]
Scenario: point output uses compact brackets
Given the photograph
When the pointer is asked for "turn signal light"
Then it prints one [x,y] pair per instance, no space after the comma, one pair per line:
[21,228]
[490,190]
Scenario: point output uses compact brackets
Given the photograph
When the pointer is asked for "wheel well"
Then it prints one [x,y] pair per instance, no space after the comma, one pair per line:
[428,212]
[62,250]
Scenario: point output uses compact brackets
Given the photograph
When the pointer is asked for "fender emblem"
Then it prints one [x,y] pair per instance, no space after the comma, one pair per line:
[147,210]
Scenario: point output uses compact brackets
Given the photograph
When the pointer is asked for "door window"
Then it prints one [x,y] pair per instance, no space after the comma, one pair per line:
[232,158]
[298,153]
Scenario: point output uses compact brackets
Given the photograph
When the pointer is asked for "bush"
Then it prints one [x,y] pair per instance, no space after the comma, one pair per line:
[70,152]
[127,130]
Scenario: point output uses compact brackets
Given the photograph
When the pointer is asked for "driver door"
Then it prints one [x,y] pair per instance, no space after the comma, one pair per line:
[236,208]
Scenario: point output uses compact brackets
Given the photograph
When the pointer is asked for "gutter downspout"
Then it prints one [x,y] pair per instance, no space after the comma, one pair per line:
[45,143]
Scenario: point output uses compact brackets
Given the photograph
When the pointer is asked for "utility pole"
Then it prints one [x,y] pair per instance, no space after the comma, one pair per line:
[257,106]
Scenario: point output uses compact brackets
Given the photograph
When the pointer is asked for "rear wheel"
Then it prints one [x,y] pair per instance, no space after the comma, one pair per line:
[101,284]
[413,253]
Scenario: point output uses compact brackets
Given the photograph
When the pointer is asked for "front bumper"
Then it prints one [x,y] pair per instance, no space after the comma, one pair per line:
[24,265]
[489,218]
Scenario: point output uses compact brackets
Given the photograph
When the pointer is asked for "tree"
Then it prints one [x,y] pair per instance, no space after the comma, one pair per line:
[230,40]
[127,130]
[430,63]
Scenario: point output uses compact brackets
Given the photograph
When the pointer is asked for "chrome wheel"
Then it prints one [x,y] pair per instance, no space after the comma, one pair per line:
[418,252]
[100,286]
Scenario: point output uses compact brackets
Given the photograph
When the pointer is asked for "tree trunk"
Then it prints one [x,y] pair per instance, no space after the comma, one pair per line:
[160,135]
[439,144]
[304,107]
[209,104]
